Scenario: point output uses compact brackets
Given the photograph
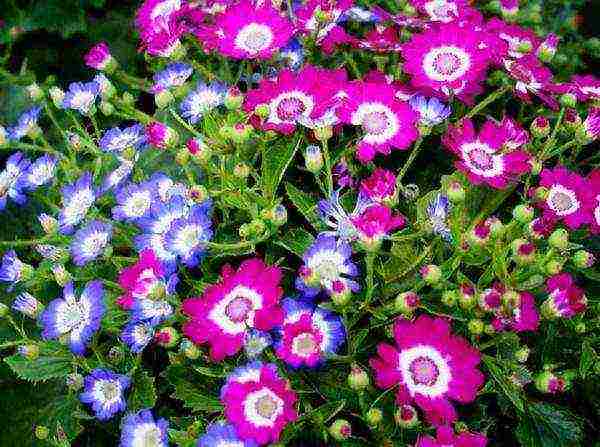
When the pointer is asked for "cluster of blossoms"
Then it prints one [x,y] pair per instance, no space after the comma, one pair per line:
[165,231]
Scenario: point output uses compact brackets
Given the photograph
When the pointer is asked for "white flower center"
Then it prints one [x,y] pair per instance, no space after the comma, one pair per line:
[254,38]
[480,159]
[94,243]
[424,371]
[107,391]
[377,120]
[263,407]
[147,435]
[441,10]
[446,64]
[305,345]
[235,312]
[562,201]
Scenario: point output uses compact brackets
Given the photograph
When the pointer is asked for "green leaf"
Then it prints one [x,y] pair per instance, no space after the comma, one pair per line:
[45,367]
[61,418]
[588,359]
[181,438]
[503,384]
[297,241]
[143,393]
[62,16]
[548,425]
[275,160]
[305,203]
[193,399]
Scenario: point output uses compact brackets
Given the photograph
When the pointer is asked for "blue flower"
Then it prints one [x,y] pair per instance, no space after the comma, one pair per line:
[432,110]
[204,98]
[26,124]
[293,54]
[116,177]
[437,212]
[220,433]
[11,179]
[105,390]
[81,96]
[134,201]
[137,335]
[151,311]
[173,75]
[40,172]
[12,269]
[28,305]
[335,216]
[90,241]
[140,429]
[77,198]
[328,266]
[117,139]
[76,319]
[255,342]
[189,235]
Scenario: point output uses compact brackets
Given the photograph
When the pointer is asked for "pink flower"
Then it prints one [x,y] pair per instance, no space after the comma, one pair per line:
[431,367]
[532,78]
[380,187]
[565,299]
[320,17]
[248,31]
[509,7]
[447,60]
[587,87]
[591,125]
[386,122]
[482,155]
[258,402]
[294,97]
[521,41]
[594,185]
[99,57]
[375,223]
[447,438]
[243,299]
[517,312]
[143,279]
[547,48]
[444,11]
[569,198]
[160,135]
[383,40]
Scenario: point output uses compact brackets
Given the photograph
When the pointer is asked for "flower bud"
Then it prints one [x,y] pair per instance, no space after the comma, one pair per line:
[74,381]
[4,310]
[559,239]
[358,379]
[61,275]
[540,127]
[523,251]
[115,354]
[553,267]
[340,430]
[571,120]
[536,166]
[581,328]
[128,99]
[107,108]
[524,47]
[449,297]
[431,274]
[522,354]
[189,349]
[35,92]
[313,159]
[199,150]
[523,213]
[406,416]
[28,305]
[583,259]
[3,136]
[198,193]
[241,170]
[234,99]
[41,432]
[262,110]
[323,133]
[163,99]
[161,136]
[182,157]
[100,58]
[456,192]
[49,224]
[476,326]
[467,298]
[340,294]
[166,337]
[548,382]
[568,100]
[374,417]
[30,351]
[406,303]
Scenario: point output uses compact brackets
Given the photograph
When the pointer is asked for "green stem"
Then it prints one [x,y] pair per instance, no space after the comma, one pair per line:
[410,160]
[133,81]
[328,173]
[25,243]
[32,148]
[370,260]
[487,101]
[552,138]
[181,121]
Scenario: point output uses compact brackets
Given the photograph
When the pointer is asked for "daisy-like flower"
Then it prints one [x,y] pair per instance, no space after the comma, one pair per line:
[590,130]
[243,299]
[321,18]
[203,99]
[13,270]
[159,26]
[586,87]
[258,402]
[430,366]
[27,124]
[151,310]
[77,198]
[11,179]
[431,111]
[443,11]
[437,213]
[77,320]
[40,172]
[386,122]
[141,429]
[446,438]
[568,198]
[28,305]
[520,41]
[249,30]
[327,265]
[481,155]
[309,334]
[173,75]
[381,40]
[375,224]
[145,279]
[532,79]
[137,335]
[81,96]
[116,177]
[256,342]
[380,187]
[222,434]
[335,216]
[188,236]
[565,299]
[104,390]
[514,311]
[134,201]
[447,60]
[594,185]
[116,140]
[89,242]
[293,97]
[99,57]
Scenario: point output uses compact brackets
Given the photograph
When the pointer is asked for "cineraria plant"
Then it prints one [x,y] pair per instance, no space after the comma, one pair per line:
[313,223]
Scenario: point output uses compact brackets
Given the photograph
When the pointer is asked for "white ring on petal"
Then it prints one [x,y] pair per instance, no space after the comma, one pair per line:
[408,356]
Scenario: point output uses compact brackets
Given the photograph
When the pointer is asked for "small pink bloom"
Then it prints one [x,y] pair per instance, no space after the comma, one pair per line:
[565,299]
[141,280]
[375,223]
[380,186]
[447,438]
[98,57]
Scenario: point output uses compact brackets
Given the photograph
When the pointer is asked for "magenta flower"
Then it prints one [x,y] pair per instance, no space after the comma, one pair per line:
[320,18]
[99,57]
[258,402]
[591,125]
[375,223]
[569,197]
[386,121]
[565,299]
[447,60]
[532,79]
[430,366]
[587,87]
[594,185]
[513,311]
[520,41]
[243,299]
[482,155]
[446,438]
[160,135]
[380,187]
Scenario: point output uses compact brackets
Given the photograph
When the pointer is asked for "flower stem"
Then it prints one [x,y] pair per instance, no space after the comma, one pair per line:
[328,173]
[410,160]
[487,101]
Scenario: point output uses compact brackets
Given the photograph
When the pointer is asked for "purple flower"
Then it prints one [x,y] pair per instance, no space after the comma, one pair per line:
[117,140]
[437,212]
[173,75]
[99,57]
[188,236]
[140,429]
[134,201]
[137,335]
[432,110]
[77,198]
[220,433]
[76,319]
[90,241]
[203,99]
[26,124]
[151,311]
[28,305]
[40,172]
[116,177]
[11,179]
[105,390]
[81,96]
[12,269]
